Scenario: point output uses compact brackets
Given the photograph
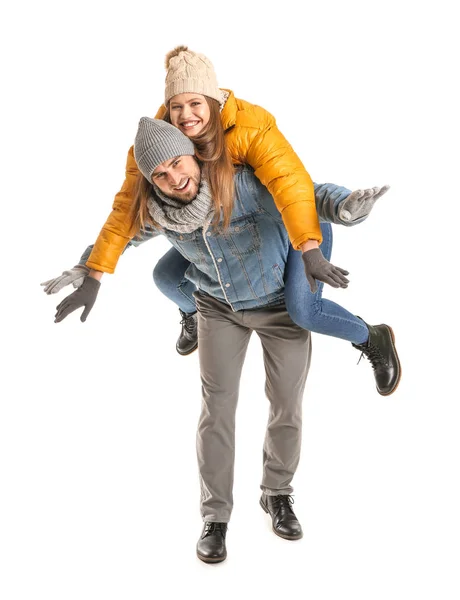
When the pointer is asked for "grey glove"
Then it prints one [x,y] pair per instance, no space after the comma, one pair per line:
[85,296]
[360,203]
[74,276]
[317,267]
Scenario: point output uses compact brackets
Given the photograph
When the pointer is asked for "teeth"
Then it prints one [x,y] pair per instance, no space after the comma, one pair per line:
[190,124]
[182,186]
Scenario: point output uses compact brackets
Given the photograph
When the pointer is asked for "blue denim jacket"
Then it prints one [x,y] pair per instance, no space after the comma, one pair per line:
[243,265]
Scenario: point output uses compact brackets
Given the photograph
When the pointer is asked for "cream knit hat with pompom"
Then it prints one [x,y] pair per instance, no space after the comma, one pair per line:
[188,71]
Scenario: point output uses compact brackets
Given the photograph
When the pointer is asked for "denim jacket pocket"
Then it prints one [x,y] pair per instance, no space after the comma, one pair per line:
[242,236]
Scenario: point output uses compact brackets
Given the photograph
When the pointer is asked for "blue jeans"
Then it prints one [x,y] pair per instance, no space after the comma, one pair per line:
[169,277]
[312,311]
[309,311]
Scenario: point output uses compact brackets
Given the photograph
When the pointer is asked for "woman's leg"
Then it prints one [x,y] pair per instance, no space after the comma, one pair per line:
[169,277]
[312,311]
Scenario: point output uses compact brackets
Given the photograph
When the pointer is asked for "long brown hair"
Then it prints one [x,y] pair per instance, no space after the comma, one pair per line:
[217,167]
[139,212]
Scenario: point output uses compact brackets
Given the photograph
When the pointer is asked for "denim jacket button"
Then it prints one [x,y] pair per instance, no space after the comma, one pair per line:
[237,228]
[219,260]
[208,234]
[181,237]
[227,285]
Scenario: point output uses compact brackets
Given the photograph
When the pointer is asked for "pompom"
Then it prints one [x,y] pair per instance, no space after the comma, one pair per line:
[173,53]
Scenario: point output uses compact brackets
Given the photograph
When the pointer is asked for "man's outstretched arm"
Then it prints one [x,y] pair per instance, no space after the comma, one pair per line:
[87,281]
[77,274]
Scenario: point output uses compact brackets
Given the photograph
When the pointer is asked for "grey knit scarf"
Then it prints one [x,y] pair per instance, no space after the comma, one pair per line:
[180,217]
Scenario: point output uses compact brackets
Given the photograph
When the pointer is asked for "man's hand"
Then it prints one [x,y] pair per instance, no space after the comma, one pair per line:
[317,267]
[74,276]
[360,203]
[85,296]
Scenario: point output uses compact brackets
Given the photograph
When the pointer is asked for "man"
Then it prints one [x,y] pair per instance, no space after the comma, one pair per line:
[238,272]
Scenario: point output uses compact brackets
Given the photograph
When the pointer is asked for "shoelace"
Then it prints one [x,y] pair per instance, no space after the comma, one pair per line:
[284,502]
[373,354]
[188,322]
[212,527]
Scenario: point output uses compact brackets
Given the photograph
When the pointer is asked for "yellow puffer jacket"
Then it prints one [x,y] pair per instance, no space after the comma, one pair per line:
[252,138]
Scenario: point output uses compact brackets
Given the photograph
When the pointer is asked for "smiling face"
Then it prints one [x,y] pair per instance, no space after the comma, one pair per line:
[178,178]
[189,112]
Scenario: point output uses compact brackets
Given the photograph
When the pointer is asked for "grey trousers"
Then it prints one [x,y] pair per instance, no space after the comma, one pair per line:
[223,340]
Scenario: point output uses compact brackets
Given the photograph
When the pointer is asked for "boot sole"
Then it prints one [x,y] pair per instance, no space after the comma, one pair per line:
[211,560]
[285,537]
[399,364]
[187,353]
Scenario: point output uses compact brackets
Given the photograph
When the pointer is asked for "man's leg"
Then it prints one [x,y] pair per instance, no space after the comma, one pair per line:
[287,355]
[223,344]
[222,349]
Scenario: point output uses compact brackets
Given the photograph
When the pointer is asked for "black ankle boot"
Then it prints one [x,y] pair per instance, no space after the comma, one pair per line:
[211,545]
[188,339]
[284,521]
[380,349]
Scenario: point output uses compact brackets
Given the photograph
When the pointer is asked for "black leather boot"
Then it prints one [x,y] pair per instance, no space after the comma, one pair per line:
[211,545]
[380,349]
[284,521]
[188,339]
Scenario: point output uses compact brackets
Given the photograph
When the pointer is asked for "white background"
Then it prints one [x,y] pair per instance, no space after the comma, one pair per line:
[99,487]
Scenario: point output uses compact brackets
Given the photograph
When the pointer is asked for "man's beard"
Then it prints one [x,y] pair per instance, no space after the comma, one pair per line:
[188,196]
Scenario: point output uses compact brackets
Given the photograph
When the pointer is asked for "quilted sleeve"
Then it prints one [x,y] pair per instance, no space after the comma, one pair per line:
[118,230]
[281,171]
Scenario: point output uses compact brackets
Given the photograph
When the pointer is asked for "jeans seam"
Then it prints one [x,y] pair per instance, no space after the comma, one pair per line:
[179,289]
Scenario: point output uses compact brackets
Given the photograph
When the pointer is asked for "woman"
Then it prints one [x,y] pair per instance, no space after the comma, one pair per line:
[211,120]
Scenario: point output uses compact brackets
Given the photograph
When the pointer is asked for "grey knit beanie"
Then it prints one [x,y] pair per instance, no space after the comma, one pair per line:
[157,141]
[188,71]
